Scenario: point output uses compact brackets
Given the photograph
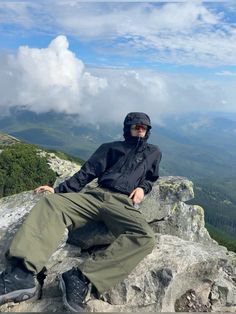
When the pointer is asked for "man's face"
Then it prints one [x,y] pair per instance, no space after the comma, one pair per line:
[138,130]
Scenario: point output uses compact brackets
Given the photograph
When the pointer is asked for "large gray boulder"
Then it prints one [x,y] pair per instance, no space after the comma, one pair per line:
[163,208]
[186,272]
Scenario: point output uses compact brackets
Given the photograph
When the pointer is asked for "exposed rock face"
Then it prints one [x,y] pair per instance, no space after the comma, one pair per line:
[63,168]
[186,272]
[13,210]
[7,140]
[164,209]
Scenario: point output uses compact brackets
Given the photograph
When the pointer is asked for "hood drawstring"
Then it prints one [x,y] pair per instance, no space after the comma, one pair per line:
[132,151]
[139,144]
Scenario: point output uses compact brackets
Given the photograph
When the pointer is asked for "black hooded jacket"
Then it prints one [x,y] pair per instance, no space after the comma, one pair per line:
[121,166]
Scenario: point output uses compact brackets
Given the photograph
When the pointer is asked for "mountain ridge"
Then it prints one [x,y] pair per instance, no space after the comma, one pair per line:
[210,152]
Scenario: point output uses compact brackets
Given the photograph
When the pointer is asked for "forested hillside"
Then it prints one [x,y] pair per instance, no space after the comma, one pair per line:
[218,198]
[22,169]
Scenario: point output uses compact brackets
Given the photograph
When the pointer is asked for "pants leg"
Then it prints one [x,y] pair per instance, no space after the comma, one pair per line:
[44,227]
[135,239]
[40,234]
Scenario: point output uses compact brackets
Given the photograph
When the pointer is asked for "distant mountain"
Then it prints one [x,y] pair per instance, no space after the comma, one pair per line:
[58,131]
[198,145]
[193,145]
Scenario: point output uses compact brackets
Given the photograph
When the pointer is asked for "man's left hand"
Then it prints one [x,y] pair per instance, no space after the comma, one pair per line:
[137,195]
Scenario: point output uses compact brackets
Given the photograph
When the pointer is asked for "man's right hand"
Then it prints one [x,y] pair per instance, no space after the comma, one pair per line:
[44,188]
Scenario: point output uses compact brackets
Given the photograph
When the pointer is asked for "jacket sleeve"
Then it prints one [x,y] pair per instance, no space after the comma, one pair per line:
[91,169]
[151,176]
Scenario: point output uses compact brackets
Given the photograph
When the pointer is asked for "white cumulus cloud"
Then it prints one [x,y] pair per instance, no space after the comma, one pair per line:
[51,78]
[54,78]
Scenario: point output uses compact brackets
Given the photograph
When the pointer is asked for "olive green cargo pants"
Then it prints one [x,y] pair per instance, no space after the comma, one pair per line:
[40,234]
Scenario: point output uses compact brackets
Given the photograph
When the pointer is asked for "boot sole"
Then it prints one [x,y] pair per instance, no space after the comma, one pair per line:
[62,286]
[18,295]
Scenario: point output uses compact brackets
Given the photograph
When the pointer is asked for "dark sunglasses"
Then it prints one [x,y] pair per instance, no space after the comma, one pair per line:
[139,126]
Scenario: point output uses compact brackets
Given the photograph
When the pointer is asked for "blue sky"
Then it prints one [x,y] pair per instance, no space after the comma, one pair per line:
[172,57]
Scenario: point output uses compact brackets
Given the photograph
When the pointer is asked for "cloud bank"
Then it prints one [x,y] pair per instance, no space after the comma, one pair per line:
[47,79]
[53,78]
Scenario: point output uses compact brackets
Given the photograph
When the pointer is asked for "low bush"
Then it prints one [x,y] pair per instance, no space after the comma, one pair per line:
[22,169]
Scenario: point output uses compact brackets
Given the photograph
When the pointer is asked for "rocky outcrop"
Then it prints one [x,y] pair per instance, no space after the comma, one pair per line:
[186,272]
[7,140]
[63,168]
[164,209]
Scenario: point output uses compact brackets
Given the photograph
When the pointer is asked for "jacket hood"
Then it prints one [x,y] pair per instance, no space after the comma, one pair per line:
[136,118]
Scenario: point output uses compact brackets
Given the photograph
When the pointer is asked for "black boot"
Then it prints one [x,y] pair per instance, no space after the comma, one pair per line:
[75,287]
[16,284]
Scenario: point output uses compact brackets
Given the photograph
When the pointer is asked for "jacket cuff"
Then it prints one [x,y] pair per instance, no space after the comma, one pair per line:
[56,190]
[144,189]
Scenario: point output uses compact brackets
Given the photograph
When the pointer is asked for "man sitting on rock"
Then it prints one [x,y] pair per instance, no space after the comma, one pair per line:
[126,171]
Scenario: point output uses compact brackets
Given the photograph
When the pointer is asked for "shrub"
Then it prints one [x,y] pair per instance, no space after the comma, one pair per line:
[21,169]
